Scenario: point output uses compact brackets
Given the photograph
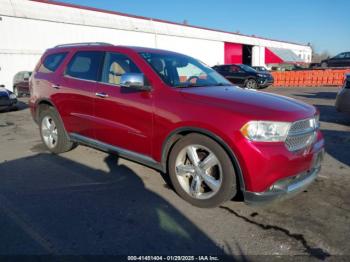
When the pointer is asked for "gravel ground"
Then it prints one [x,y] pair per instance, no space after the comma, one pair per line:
[89,202]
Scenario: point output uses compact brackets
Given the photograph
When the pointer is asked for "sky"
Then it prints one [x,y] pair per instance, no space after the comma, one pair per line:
[323,23]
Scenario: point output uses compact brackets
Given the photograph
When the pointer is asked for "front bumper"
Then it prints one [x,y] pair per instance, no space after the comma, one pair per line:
[265,82]
[287,187]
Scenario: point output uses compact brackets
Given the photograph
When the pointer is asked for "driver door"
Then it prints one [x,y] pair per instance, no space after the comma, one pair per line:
[124,116]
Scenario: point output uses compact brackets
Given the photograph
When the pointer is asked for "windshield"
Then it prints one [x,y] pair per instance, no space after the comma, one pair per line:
[183,71]
[262,69]
[248,68]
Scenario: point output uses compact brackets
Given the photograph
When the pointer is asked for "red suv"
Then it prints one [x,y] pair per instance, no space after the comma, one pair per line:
[175,114]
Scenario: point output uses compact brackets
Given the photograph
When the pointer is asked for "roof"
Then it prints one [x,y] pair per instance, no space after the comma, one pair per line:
[153,19]
[286,55]
[93,45]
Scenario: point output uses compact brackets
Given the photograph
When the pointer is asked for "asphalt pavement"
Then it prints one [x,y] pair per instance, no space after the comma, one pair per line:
[86,202]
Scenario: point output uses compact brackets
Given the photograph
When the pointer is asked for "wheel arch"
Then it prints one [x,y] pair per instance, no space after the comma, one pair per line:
[43,103]
[177,134]
[250,78]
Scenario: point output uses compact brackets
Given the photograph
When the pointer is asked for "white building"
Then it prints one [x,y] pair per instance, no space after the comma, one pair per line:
[28,28]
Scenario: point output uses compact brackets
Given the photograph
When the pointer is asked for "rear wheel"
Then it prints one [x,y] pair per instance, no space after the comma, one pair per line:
[201,171]
[324,65]
[251,84]
[53,133]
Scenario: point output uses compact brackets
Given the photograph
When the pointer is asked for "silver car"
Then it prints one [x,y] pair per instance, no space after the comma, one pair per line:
[342,102]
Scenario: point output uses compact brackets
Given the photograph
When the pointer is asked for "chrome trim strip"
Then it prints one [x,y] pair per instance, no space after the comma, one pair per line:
[124,153]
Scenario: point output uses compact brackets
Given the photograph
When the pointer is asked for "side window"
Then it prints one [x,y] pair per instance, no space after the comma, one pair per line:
[224,69]
[52,62]
[85,65]
[340,56]
[347,55]
[234,69]
[115,65]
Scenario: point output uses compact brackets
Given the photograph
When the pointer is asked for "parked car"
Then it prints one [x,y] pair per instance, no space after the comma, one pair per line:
[342,102]
[340,60]
[173,113]
[260,69]
[8,100]
[21,83]
[245,76]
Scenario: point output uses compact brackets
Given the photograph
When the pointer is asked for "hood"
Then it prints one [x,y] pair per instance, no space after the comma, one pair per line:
[251,103]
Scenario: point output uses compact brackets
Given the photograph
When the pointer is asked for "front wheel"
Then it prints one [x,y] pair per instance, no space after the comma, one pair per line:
[201,171]
[251,84]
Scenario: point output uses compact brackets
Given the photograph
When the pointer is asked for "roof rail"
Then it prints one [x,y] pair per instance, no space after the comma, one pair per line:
[82,44]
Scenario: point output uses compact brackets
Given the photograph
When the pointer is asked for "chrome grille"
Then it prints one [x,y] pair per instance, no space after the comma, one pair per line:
[301,134]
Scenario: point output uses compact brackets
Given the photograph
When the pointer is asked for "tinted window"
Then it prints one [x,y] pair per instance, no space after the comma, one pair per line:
[248,69]
[52,62]
[85,65]
[347,55]
[115,66]
[234,69]
[223,68]
[342,55]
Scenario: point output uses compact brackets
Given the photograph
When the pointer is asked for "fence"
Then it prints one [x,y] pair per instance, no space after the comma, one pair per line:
[327,77]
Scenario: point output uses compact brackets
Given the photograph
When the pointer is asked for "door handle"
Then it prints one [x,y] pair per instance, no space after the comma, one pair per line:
[102,95]
[55,86]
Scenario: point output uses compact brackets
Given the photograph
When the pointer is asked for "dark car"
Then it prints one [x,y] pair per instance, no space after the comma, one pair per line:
[340,60]
[21,83]
[342,102]
[173,113]
[245,76]
[8,100]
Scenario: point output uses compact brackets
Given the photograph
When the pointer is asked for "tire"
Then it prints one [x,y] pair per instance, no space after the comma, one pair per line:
[324,65]
[53,133]
[216,184]
[251,84]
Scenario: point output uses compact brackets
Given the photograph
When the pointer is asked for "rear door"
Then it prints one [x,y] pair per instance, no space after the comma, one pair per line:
[75,91]
[124,117]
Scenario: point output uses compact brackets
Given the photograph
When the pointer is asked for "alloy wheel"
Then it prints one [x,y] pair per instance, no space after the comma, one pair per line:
[49,131]
[198,171]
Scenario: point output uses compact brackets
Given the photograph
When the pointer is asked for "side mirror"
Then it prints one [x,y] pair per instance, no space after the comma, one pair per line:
[134,80]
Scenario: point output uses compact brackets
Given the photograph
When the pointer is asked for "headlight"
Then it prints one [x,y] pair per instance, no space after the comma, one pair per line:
[13,96]
[266,131]
[261,75]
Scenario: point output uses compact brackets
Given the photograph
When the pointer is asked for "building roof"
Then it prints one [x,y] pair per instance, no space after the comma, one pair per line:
[153,19]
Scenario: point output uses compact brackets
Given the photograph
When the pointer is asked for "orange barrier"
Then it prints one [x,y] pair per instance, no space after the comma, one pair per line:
[327,77]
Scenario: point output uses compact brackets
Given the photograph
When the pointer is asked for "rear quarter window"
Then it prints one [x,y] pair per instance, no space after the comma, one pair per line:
[52,62]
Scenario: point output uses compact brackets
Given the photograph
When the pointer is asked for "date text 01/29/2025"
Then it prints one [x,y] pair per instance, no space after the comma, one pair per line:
[173,258]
